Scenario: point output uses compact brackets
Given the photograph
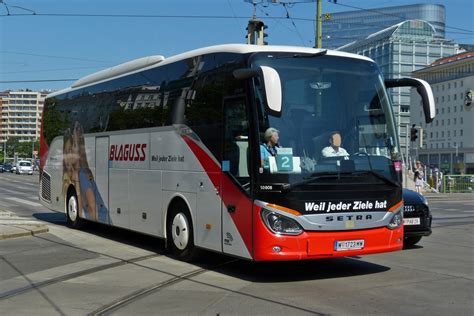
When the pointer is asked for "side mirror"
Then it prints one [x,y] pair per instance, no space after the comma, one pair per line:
[423,89]
[271,85]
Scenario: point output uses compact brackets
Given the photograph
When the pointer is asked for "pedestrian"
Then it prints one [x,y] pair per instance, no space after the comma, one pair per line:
[419,175]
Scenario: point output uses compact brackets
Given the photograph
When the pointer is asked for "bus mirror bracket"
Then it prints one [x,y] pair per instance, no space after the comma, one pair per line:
[271,83]
[423,89]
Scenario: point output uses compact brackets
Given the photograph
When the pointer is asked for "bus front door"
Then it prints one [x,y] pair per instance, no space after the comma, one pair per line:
[237,206]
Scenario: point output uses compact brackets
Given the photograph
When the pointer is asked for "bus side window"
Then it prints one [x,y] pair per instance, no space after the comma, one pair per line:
[236,140]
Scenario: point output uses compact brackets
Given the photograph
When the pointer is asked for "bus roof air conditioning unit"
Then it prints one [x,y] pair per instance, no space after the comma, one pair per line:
[119,70]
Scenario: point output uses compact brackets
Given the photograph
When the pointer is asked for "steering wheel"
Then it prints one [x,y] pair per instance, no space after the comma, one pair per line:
[360,153]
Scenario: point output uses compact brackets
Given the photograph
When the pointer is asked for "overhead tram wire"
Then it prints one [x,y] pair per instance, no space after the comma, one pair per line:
[39,80]
[48,70]
[128,16]
[197,17]
[53,56]
[279,22]
[15,6]
[293,22]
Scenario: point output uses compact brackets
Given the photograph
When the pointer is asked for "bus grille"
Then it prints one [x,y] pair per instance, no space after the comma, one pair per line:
[46,186]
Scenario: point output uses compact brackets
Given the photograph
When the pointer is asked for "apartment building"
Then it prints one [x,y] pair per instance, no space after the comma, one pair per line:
[448,141]
[20,115]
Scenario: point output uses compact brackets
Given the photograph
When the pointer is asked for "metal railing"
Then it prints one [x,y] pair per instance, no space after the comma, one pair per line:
[458,184]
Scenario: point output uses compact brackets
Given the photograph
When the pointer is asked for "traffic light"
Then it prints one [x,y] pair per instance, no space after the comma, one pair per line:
[256,32]
[413,133]
[261,27]
[250,33]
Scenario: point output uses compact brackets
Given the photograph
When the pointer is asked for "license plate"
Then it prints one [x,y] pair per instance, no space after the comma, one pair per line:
[349,244]
[411,221]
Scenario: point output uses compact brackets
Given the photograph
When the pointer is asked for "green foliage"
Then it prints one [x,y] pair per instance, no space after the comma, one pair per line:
[21,149]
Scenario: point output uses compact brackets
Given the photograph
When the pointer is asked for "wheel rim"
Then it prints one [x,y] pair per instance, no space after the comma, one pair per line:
[72,209]
[180,231]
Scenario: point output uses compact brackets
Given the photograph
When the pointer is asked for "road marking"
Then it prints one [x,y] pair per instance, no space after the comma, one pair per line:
[23,201]
[13,192]
[21,182]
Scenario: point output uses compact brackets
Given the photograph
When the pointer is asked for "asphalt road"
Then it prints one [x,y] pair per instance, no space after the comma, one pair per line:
[103,270]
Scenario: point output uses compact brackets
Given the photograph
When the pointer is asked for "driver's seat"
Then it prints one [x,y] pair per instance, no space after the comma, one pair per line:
[320,142]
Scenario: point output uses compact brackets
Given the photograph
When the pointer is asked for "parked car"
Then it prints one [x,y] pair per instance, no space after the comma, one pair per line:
[1,168]
[7,167]
[416,217]
[13,169]
[24,166]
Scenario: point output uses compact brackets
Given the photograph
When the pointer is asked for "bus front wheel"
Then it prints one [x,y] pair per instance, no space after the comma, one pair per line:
[179,232]
[72,211]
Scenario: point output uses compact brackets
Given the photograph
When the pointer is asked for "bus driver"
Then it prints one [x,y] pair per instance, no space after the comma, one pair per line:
[335,149]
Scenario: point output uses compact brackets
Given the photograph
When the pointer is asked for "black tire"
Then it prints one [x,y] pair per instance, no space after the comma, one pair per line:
[180,233]
[411,241]
[72,211]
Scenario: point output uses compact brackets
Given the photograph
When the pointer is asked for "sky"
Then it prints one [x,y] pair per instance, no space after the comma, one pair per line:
[53,45]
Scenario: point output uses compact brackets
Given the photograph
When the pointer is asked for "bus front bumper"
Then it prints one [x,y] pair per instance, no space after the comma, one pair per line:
[318,245]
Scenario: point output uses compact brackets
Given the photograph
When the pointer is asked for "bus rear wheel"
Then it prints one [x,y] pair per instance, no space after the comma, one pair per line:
[179,232]
[72,211]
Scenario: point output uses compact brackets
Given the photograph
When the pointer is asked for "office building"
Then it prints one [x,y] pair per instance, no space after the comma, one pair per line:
[448,142]
[349,26]
[398,51]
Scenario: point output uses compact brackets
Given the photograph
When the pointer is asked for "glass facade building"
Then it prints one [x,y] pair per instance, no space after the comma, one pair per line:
[349,26]
[400,50]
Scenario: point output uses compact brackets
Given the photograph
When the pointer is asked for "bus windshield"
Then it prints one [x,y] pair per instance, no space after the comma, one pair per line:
[336,119]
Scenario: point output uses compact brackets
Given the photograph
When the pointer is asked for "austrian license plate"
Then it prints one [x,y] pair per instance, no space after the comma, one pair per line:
[411,221]
[349,244]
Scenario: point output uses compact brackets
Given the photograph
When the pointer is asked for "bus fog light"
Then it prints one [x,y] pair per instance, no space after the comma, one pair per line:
[276,249]
[280,224]
[396,220]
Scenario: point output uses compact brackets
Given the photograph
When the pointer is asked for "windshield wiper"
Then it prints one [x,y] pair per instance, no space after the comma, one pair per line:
[311,178]
[320,53]
[377,175]
[305,55]
[319,175]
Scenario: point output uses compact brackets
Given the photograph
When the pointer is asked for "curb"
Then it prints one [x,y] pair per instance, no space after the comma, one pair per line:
[12,226]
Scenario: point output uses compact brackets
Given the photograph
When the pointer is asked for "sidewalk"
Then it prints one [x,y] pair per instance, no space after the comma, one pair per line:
[12,226]
[449,196]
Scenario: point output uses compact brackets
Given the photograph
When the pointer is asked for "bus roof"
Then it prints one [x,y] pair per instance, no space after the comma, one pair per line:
[157,61]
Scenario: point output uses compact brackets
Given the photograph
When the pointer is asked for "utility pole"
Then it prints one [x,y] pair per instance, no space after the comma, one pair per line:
[406,146]
[319,24]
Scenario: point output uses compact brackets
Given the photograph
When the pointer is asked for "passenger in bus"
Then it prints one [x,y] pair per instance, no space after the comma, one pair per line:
[334,149]
[269,147]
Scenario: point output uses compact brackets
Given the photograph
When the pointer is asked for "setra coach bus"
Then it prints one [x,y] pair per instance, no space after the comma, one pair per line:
[175,148]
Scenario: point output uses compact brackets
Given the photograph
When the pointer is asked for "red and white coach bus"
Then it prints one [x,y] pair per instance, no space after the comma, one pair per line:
[172,148]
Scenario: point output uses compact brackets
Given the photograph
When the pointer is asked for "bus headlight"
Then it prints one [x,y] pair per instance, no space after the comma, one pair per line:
[280,224]
[397,220]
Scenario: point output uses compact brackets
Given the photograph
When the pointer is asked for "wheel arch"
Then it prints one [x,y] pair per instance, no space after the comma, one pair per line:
[175,200]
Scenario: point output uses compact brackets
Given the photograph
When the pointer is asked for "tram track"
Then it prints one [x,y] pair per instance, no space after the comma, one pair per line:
[132,297]
[69,276]
[135,296]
